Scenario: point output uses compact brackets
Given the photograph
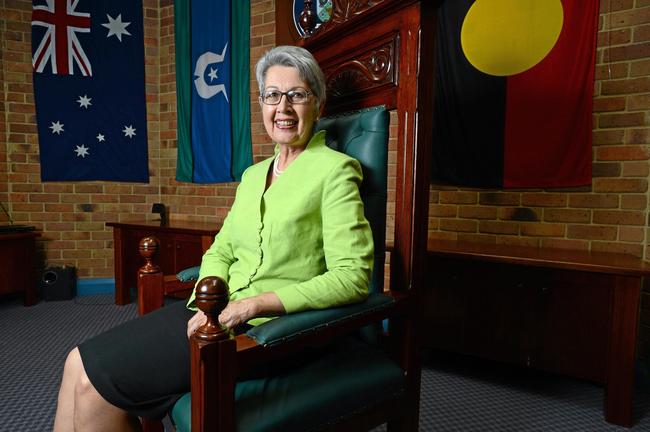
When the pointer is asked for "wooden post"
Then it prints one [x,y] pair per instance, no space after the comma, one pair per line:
[212,350]
[150,278]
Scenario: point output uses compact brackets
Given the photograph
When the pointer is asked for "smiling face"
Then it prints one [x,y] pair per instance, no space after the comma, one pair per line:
[287,123]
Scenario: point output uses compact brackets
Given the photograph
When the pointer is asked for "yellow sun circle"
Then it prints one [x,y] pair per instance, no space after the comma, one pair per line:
[507,37]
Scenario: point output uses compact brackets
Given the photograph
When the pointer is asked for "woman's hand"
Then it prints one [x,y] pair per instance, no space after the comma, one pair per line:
[238,312]
[195,322]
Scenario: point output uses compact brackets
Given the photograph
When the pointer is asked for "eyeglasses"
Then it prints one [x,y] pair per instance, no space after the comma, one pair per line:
[295,96]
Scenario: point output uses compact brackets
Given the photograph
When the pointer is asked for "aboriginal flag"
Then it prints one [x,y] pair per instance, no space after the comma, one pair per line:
[514,89]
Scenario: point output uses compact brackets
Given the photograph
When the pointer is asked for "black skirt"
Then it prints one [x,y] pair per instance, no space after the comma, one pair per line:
[142,366]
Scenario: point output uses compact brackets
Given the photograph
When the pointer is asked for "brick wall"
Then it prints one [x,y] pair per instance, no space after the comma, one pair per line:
[71,216]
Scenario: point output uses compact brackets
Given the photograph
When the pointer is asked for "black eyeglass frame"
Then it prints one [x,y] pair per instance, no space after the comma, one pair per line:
[288,96]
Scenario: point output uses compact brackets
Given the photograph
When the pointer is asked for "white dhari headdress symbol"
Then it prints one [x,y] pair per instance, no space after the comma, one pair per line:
[205,90]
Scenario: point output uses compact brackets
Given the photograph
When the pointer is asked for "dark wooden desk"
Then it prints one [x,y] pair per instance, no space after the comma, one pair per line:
[571,312]
[18,268]
[182,244]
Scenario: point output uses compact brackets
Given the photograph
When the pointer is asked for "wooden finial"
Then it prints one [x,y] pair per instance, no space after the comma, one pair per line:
[212,297]
[149,247]
[307,19]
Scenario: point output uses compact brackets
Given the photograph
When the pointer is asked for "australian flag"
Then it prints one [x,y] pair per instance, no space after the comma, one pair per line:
[88,59]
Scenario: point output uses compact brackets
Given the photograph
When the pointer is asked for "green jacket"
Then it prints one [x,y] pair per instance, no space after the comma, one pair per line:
[305,237]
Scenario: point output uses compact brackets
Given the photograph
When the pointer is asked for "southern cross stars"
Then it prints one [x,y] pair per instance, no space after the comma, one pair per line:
[84,101]
[116,27]
[82,151]
[129,131]
[57,127]
[100,138]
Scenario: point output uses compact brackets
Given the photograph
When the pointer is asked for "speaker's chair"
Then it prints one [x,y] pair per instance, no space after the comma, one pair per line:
[355,383]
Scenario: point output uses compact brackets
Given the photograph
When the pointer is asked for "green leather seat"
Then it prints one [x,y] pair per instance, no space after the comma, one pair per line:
[350,374]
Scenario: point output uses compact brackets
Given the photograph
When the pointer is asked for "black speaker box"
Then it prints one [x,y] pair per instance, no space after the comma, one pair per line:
[59,283]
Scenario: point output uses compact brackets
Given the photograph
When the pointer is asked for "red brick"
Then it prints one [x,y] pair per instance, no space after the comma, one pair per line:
[608,6]
[593,200]
[463,225]
[551,243]
[498,227]
[477,212]
[626,86]
[642,33]
[622,153]
[621,120]
[629,18]
[614,37]
[458,197]
[567,215]
[620,185]
[635,169]
[622,248]
[534,199]
[628,52]
[609,104]
[600,137]
[539,229]
[639,102]
[640,68]
[631,234]
[591,232]
[637,136]
[619,217]
[612,71]
[440,210]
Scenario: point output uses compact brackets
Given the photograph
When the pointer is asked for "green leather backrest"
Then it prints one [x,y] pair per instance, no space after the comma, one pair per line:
[363,135]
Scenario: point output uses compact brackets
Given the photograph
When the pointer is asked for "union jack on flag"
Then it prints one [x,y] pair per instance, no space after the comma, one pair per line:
[88,60]
[60,46]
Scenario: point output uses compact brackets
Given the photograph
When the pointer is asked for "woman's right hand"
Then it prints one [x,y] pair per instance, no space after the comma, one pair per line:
[195,322]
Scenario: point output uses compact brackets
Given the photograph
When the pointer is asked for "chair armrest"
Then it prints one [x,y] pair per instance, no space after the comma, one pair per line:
[288,327]
[189,274]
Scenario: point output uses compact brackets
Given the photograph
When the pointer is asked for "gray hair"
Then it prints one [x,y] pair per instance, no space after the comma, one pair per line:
[298,58]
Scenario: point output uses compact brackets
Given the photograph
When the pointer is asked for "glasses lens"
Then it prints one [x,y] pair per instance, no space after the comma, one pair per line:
[271,97]
[297,96]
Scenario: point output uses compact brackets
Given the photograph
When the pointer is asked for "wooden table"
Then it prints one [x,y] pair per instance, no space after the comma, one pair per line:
[182,244]
[18,268]
[572,312]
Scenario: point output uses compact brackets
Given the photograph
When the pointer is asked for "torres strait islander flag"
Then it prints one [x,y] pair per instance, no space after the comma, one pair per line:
[212,87]
[514,89]
[88,60]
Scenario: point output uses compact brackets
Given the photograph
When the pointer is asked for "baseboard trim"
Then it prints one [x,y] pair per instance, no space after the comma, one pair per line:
[95,286]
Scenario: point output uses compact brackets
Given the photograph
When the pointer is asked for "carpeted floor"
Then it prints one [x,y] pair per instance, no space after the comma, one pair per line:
[458,394]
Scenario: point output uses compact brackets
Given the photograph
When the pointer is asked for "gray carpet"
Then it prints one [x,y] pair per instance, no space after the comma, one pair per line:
[458,394]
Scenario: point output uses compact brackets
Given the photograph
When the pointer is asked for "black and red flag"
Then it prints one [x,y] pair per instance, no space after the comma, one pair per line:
[514,93]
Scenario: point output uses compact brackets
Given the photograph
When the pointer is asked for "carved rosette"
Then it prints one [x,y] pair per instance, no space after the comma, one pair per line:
[370,70]
[343,10]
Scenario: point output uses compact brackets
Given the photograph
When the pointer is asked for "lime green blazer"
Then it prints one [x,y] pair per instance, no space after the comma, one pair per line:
[304,238]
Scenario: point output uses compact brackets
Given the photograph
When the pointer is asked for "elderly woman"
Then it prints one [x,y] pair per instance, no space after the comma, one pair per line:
[295,239]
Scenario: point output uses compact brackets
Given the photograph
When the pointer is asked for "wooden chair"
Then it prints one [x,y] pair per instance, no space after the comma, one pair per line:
[382,53]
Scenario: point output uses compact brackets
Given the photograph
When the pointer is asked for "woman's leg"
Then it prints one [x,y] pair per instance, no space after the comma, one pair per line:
[81,407]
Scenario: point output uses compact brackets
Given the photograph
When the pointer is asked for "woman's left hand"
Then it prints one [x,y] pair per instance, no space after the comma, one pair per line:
[237,313]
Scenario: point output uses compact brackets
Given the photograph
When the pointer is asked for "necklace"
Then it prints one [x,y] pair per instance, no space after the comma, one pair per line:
[276,171]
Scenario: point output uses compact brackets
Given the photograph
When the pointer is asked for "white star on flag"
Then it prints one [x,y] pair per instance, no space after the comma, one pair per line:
[116,27]
[82,151]
[84,101]
[57,127]
[100,138]
[129,131]
[212,74]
